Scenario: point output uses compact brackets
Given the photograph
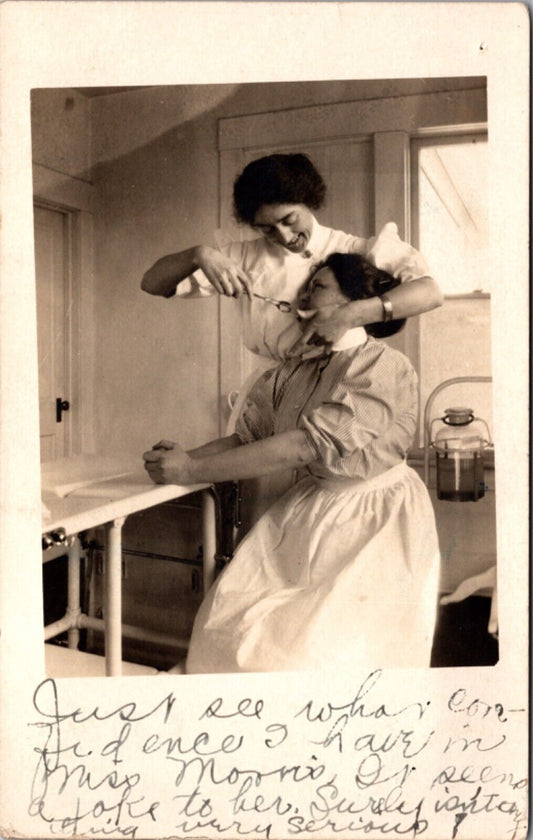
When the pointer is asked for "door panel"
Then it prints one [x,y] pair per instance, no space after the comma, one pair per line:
[52,303]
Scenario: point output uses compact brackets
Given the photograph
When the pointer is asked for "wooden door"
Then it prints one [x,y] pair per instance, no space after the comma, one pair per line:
[51,266]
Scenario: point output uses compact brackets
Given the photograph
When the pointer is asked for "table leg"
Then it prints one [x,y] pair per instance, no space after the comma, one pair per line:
[113,597]
[209,538]
[73,596]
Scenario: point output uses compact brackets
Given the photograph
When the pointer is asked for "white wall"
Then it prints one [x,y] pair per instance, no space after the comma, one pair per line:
[61,131]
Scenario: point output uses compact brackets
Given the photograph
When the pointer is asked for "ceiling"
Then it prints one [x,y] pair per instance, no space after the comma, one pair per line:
[106,91]
[358,88]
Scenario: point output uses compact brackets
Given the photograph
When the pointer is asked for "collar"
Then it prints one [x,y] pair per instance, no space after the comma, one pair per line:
[318,239]
[351,338]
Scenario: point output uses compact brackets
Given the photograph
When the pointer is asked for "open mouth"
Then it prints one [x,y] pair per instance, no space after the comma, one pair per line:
[297,244]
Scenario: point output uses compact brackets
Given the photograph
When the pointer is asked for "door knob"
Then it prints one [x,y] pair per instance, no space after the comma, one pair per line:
[61,406]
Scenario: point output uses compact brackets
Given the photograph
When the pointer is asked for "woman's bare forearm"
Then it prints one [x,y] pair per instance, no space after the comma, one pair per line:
[215,446]
[167,463]
[415,297]
[408,299]
[262,457]
[165,274]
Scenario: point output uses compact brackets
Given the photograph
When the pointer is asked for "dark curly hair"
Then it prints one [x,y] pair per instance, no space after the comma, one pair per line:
[360,279]
[277,179]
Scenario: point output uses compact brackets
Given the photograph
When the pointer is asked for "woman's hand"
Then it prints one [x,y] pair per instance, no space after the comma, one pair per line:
[331,322]
[325,328]
[226,277]
[168,463]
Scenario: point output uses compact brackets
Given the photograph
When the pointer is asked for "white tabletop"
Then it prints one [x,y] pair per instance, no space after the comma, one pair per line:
[88,490]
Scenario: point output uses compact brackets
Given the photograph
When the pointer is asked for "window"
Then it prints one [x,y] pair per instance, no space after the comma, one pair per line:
[450,227]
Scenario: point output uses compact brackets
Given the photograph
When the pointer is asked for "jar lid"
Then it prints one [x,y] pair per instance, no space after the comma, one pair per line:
[459,416]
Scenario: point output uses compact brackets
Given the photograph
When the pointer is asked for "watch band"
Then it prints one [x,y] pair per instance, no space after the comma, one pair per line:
[388,313]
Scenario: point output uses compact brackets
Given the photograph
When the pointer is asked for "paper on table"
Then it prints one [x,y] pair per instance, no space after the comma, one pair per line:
[84,487]
[117,487]
[66,475]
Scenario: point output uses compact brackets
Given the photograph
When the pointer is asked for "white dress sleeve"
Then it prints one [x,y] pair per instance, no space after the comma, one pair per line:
[386,251]
[390,253]
[197,285]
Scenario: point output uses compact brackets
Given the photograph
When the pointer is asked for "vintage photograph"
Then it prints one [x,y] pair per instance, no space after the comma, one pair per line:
[264,420]
[305,270]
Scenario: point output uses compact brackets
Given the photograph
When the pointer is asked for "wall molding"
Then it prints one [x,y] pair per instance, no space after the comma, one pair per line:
[62,190]
[346,119]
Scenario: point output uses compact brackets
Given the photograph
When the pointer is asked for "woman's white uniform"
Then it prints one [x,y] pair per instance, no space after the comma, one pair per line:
[343,569]
[277,273]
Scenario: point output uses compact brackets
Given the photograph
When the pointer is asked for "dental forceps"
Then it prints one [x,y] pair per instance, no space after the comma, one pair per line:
[282,305]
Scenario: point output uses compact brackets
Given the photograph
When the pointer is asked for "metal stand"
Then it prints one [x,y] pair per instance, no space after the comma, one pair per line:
[429,402]
[74,619]
[486,579]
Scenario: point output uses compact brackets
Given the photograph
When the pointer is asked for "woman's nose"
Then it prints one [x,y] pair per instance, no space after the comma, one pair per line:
[284,235]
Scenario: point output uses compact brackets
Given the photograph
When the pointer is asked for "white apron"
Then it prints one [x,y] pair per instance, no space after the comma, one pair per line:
[338,573]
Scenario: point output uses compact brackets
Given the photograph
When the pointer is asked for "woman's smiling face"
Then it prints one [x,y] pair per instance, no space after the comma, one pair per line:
[288,225]
[322,289]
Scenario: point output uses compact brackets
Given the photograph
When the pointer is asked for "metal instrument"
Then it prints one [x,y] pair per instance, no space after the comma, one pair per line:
[282,305]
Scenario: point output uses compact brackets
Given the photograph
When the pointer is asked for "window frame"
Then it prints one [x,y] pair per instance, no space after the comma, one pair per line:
[425,138]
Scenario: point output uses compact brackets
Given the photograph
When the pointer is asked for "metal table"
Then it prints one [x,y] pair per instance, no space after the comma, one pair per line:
[87,491]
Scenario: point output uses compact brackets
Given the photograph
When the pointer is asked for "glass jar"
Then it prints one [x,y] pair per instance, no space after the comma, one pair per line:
[459,449]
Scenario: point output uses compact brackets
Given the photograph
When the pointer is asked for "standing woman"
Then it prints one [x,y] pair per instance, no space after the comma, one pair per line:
[342,571]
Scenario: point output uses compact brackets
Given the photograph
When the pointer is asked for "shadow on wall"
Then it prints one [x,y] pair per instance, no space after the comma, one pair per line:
[135,118]
[162,109]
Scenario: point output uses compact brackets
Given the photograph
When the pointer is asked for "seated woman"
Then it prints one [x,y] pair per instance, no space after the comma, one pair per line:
[342,571]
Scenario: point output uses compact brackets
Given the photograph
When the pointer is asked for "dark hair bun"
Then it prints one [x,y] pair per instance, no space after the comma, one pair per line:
[360,279]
